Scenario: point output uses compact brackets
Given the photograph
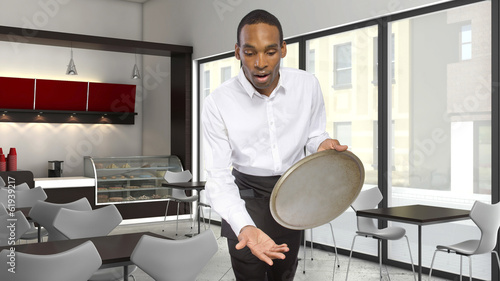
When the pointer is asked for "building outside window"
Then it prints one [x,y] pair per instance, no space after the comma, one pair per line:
[342,62]
[225,74]
[466,42]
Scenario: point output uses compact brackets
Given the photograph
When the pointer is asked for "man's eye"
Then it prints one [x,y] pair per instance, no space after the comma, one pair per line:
[248,54]
[271,53]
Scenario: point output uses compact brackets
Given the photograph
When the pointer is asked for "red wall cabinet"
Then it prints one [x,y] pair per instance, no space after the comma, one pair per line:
[56,101]
[17,93]
[111,97]
[61,95]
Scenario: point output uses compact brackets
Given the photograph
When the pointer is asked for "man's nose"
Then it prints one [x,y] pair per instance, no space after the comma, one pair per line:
[261,61]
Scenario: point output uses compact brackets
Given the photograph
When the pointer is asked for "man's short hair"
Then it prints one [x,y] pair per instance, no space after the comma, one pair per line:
[259,16]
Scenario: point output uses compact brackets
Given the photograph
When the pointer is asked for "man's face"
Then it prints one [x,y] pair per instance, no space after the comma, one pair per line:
[260,52]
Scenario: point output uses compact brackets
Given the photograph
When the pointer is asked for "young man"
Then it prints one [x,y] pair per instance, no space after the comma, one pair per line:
[255,127]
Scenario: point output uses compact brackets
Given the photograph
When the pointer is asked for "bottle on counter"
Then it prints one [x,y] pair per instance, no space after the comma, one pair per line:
[12,160]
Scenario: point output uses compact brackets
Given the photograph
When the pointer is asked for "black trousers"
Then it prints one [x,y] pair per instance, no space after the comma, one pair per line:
[256,192]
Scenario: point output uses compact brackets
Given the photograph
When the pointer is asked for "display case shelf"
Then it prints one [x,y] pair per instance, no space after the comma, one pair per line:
[124,180]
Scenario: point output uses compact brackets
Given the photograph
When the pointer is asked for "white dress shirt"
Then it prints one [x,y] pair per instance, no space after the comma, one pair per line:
[258,135]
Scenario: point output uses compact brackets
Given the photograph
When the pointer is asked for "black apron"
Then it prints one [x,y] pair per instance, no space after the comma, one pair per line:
[256,192]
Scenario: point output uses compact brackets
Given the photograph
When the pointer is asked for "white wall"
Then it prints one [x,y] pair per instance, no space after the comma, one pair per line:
[210,26]
[38,143]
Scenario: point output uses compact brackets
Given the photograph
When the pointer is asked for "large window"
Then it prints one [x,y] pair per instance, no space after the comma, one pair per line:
[351,102]
[441,107]
[438,119]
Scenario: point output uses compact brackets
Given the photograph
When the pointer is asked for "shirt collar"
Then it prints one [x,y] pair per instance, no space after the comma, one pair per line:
[250,90]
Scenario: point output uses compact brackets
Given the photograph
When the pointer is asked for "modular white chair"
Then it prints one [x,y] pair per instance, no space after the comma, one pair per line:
[76,264]
[74,224]
[369,199]
[11,233]
[26,198]
[174,260]
[23,197]
[487,219]
[179,196]
[44,214]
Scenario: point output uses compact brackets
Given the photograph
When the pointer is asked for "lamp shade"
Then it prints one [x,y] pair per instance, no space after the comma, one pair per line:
[71,68]
[135,72]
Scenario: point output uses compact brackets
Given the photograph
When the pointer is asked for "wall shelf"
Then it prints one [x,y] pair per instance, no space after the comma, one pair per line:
[61,116]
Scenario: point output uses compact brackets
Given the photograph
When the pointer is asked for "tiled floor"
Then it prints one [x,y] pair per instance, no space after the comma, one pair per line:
[319,269]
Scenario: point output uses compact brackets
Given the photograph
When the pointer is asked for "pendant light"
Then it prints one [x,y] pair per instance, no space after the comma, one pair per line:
[71,66]
[135,72]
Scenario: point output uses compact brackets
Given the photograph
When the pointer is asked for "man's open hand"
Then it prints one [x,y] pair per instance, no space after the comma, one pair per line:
[261,245]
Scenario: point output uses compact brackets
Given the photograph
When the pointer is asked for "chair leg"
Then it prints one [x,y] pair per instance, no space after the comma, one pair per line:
[165,218]
[411,258]
[470,268]
[350,255]
[432,264]
[337,261]
[312,244]
[177,223]
[305,249]
[380,258]
[209,216]
[498,258]
[461,267]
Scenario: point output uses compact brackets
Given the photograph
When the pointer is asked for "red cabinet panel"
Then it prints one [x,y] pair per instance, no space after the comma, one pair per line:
[17,93]
[61,95]
[111,97]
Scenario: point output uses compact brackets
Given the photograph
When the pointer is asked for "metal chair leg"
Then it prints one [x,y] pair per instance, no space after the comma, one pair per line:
[350,255]
[177,223]
[165,218]
[337,261]
[411,258]
[432,264]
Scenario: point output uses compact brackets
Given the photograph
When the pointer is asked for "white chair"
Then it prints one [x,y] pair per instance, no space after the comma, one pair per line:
[336,263]
[44,214]
[76,264]
[9,234]
[179,196]
[74,224]
[369,199]
[26,198]
[23,197]
[487,219]
[174,260]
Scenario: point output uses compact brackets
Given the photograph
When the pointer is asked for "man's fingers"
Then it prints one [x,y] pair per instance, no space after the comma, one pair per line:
[339,147]
[242,244]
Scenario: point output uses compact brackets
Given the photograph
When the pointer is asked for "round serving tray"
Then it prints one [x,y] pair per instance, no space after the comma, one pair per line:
[317,189]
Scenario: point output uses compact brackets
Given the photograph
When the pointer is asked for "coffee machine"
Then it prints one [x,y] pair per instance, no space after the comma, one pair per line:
[55,168]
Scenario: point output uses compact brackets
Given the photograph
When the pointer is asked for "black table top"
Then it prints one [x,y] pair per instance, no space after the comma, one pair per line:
[416,214]
[113,249]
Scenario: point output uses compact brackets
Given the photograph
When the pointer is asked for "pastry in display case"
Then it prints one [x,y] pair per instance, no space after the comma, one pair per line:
[130,179]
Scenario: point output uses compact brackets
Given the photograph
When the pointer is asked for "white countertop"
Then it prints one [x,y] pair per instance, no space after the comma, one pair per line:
[64,182]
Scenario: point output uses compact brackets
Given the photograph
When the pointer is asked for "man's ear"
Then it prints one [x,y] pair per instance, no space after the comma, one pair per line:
[283,49]
[237,51]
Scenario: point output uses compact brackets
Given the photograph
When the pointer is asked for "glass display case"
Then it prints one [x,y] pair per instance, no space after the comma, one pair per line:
[122,180]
